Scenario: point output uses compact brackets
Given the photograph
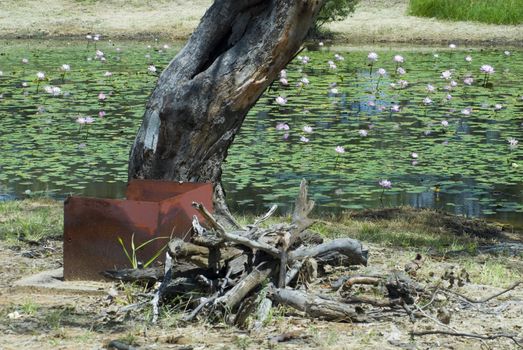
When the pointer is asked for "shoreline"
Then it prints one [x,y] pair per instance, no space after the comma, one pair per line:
[374,22]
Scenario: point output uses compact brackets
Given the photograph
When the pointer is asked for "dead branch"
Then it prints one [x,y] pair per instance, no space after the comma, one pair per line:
[484,300]
[235,295]
[317,306]
[470,335]
[348,247]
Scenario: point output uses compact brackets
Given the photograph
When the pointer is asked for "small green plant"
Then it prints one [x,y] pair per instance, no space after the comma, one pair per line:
[29,307]
[133,258]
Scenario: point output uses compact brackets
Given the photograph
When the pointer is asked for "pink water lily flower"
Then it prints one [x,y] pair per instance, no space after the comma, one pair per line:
[446,74]
[487,69]
[468,81]
[282,126]
[372,56]
[385,183]
[401,71]
[281,100]
[398,59]
[339,149]
[101,96]
[304,139]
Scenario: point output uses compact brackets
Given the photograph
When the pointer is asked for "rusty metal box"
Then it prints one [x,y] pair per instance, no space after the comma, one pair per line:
[153,208]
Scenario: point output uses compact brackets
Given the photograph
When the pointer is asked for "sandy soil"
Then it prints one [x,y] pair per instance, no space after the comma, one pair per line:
[374,21]
[72,321]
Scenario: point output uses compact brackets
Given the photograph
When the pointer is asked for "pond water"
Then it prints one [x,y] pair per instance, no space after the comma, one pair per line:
[457,152]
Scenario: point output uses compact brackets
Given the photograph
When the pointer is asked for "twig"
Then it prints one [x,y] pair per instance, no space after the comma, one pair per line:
[233,237]
[470,335]
[474,301]
[166,280]
[196,311]
[208,216]
[266,216]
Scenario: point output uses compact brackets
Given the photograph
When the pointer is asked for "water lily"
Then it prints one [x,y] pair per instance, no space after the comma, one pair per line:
[108,74]
[339,149]
[304,81]
[281,100]
[498,107]
[372,57]
[507,53]
[468,81]
[25,61]
[282,126]
[339,57]
[334,91]
[453,83]
[284,82]
[304,139]
[283,74]
[80,120]
[332,65]
[446,74]
[101,114]
[430,88]
[101,96]
[414,155]
[427,101]
[398,59]
[40,75]
[401,70]
[363,132]
[385,183]
[466,111]
[468,58]
[382,72]
[403,84]
[99,54]
[151,68]
[512,142]
[395,108]
[303,59]
[307,129]
[452,46]
[320,43]
[445,123]
[487,70]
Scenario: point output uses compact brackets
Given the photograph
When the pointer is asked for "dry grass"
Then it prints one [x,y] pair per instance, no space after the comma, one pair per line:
[374,21]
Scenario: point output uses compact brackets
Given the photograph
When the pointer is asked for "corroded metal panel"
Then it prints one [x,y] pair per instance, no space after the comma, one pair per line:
[153,209]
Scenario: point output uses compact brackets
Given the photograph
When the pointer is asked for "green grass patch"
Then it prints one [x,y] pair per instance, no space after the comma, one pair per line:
[486,11]
[30,219]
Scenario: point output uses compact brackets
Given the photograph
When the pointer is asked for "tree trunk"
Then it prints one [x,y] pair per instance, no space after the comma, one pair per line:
[203,96]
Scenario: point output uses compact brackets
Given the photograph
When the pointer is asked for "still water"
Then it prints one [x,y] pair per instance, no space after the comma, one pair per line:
[444,133]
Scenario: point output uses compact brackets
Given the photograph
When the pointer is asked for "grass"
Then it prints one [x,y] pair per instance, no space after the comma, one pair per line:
[486,11]
[30,219]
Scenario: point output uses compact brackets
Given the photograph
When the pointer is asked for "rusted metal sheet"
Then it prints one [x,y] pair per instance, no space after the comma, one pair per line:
[152,209]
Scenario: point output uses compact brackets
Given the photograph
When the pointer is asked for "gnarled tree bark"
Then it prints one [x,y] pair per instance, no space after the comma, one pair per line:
[203,96]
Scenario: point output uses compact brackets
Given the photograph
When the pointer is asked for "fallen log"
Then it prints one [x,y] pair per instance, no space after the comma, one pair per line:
[317,306]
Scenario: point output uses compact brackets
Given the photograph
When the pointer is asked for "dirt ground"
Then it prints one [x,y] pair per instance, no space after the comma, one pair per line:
[44,320]
[374,21]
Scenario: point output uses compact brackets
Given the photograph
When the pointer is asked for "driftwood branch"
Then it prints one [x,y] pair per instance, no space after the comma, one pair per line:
[317,306]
